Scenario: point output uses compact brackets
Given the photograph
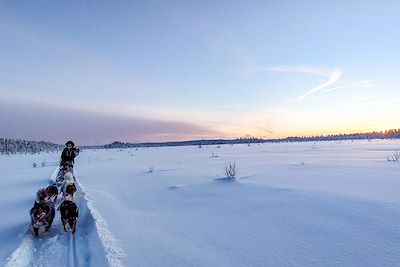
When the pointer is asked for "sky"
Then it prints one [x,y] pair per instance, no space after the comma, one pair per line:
[138,71]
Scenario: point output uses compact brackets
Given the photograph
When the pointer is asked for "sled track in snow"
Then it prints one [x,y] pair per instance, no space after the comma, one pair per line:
[91,245]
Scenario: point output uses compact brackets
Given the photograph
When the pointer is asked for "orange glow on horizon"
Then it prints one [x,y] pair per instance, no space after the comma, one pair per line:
[278,135]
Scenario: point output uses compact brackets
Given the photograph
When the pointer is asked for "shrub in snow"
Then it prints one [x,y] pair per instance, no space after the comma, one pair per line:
[34,165]
[151,169]
[314,147]
[394,156]
[173,187]
[231,170]
[43,164]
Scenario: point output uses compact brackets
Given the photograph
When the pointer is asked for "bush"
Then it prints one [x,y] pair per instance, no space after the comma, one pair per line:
[231,170]
[394,156]
[34,165]
[314,146]
[151,169]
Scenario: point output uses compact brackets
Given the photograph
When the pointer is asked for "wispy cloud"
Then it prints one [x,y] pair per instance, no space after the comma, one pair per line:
[333,78]
[364,83]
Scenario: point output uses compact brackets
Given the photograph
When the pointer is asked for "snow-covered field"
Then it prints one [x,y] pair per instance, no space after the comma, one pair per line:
[294,204]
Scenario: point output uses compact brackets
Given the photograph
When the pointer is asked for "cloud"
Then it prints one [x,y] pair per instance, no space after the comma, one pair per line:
[364,83]
[333,77]
[57,124]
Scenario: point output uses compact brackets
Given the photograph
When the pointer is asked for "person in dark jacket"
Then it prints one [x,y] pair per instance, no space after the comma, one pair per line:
[69,152]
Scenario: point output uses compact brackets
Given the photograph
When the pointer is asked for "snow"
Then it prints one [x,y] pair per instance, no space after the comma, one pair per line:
[113,252]
[294,204]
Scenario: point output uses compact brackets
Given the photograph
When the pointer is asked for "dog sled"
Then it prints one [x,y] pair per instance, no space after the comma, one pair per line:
[43,212]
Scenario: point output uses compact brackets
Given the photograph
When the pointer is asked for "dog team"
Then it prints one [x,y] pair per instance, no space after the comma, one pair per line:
[43,211]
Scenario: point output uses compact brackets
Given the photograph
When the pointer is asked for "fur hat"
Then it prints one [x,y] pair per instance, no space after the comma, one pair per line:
[70,143]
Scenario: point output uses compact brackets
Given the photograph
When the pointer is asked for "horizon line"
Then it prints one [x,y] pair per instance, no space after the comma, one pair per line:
[221,139]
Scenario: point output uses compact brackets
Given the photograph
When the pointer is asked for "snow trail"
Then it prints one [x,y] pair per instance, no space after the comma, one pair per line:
[64,249]
[22,255]
[114,253]
[72,254]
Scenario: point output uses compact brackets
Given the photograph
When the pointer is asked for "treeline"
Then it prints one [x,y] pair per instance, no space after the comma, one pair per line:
[13,146]
[184,143]
[389,134]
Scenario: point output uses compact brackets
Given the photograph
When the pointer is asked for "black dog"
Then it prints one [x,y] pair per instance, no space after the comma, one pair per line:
[52,192]
[42,214]
[69,215]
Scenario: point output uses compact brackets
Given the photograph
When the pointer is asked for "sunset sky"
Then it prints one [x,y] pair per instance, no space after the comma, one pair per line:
[101,71]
